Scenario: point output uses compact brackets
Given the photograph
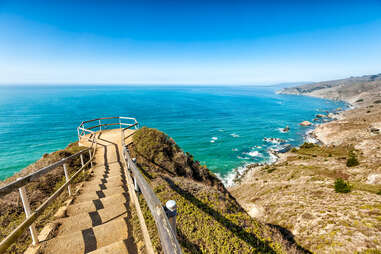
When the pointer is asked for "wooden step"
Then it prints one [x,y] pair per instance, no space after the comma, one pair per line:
[120,247]
[86,196]
[102,185]
[88,240]
[83,221]
[97,204]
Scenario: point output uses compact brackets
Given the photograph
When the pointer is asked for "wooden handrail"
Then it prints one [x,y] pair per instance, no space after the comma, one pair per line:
[167,236]
[12,237]
[32,176]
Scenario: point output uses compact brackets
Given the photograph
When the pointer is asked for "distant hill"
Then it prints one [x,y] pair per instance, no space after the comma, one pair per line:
[352,90]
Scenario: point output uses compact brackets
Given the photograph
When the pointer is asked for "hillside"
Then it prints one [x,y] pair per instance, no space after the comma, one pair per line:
[300,192]
[11,209]
[355,90]
[210,220]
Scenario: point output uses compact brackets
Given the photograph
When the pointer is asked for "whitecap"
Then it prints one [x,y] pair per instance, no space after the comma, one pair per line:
[234,135]
[235,149]
[212,141]
[254,154]
[228,179]
[214,138]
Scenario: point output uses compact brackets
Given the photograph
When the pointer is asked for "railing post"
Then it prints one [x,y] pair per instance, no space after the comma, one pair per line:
[171,212]
[135,182]
[100,125]
[82,162]
[25,203]
[91,163]
[67,178]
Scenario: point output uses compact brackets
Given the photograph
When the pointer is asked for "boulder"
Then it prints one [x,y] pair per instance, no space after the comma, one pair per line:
[374,130]
[305,123]
[320,116]
[374,179]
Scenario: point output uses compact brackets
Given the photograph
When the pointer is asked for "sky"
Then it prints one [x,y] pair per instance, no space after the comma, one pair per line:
[187,42]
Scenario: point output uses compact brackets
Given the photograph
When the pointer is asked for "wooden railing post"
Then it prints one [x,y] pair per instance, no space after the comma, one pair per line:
[171,211]
[67,178]
[91,163]
[28,212]
[82,162]
[135,182]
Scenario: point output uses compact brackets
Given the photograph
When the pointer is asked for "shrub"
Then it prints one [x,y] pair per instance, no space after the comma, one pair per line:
[352,161]
[294,150]
[307,145]
[360,100]
[379,192]
[377,102]
[342,186]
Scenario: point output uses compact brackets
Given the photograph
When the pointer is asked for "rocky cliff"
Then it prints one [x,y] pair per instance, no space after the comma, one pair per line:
[355,90]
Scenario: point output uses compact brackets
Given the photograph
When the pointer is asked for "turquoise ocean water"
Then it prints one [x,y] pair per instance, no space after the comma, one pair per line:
[223,127]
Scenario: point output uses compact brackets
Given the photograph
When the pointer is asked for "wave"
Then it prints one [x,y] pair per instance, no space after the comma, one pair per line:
[228,179]
[254,154]
[213,139]
[234,135]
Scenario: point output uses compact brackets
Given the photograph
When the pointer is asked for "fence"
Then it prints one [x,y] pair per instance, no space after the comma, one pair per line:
[20,183]
[166,227]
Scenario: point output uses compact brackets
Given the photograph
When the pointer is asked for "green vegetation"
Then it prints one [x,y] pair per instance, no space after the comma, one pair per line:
[209,218]
[352,160]
[342,186]
[360,100]
[307,145]
[377,102]
[11,210]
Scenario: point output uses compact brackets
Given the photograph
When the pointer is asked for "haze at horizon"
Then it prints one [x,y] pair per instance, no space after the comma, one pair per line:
[195,42]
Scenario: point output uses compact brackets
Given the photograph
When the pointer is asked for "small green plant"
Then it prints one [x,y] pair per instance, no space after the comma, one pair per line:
[379,192]
[352,160]
[342,186]
[294,150]
[377,102]
[307,145]
[360,100]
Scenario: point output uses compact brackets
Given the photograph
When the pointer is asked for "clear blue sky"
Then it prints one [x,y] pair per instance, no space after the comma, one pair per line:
[187,42]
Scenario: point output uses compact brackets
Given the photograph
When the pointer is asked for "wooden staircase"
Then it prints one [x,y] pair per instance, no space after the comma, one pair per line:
[99,218]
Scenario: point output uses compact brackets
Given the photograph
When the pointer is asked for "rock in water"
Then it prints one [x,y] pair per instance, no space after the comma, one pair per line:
[305,123]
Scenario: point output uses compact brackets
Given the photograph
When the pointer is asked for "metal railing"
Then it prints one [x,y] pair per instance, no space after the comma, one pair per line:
[124,123]
[164,220]
[20,183]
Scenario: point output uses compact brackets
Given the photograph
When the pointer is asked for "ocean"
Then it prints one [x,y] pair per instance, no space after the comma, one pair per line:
[224,127]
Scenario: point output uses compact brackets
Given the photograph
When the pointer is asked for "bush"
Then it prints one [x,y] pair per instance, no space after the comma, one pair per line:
[307,145]
[379,192]
[360,100]
[294,150]
[352,161]
[377,102]
[342,186]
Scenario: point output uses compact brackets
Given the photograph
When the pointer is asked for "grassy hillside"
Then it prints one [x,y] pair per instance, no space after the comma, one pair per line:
[210,220]
[11,209]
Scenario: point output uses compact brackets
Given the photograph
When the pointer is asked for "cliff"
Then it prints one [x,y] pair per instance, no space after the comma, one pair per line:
[355,90]
[301,192]
[210,220]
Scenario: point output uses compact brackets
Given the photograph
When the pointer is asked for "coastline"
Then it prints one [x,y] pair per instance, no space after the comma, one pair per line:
[298,192]
[313,135]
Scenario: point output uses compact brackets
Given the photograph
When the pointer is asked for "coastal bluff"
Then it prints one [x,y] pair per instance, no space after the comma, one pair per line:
[99,217]
[301,191]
